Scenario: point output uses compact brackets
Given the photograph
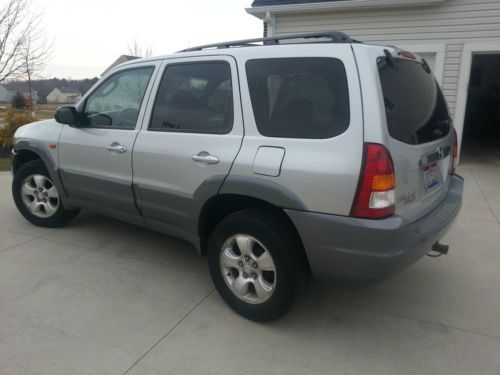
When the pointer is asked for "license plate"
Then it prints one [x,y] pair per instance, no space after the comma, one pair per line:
[431,176]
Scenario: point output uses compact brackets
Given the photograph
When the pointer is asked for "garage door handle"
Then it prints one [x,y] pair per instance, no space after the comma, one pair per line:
[205,157]
[116,147]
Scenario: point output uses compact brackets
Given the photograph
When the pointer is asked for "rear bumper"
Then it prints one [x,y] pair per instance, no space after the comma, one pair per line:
[351,248]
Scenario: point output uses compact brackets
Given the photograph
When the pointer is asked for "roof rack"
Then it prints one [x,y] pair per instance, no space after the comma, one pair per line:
[333,36]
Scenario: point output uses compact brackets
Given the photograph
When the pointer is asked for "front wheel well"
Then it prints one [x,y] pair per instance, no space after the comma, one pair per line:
[22,157]
[222,205]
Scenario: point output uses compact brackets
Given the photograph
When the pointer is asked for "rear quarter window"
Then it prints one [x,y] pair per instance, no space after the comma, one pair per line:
[415,107]
[299,97]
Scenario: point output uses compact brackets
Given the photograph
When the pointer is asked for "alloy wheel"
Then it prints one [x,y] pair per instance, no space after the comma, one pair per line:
[40,195]
[248,268]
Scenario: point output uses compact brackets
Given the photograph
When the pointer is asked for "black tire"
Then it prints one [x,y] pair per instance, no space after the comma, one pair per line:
[281,241]
[59,218]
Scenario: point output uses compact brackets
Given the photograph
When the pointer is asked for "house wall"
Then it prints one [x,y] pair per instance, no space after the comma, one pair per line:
[445,27]
[5,95]
[57,96]
[53,96]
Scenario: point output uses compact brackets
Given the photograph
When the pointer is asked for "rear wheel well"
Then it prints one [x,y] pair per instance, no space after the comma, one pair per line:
[22,157]
[220,206]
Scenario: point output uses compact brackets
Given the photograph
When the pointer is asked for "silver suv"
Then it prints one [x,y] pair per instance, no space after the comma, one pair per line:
[273,158]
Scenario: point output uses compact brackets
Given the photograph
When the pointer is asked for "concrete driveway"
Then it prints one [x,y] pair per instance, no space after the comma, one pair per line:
[105,297]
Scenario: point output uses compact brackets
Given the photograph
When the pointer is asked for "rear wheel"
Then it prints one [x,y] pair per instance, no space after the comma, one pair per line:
[254,260]
[37,198]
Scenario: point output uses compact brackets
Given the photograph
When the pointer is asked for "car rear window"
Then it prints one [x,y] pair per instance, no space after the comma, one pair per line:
[299,97]
[415,107]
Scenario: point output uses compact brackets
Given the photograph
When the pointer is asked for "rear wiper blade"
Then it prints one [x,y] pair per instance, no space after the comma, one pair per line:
[389,58]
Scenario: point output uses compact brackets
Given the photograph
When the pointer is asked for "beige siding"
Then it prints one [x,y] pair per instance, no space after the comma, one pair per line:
[453,56]
[452,23]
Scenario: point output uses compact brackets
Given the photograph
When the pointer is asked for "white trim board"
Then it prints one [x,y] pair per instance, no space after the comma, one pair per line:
[470,48]
[260,11]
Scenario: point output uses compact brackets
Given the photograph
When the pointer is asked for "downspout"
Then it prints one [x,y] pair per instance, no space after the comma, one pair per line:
[270,21]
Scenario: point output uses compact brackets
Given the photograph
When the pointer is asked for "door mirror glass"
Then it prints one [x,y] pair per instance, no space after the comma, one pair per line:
[66,115]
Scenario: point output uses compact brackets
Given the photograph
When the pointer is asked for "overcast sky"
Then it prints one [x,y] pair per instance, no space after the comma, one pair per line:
[89,35]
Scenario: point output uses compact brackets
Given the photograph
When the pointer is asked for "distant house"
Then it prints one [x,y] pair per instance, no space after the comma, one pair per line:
[34,96]
[118,61]
[5,95]
[63,95]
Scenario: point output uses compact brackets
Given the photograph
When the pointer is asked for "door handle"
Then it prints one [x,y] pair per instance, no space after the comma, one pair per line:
[116,147]
[205,157]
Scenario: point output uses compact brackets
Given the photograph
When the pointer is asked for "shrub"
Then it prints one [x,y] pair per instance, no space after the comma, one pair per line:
[18,101]
[13,120]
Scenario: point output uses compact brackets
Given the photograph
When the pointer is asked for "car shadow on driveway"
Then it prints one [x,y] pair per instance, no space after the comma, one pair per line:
[442,292]
[133,299]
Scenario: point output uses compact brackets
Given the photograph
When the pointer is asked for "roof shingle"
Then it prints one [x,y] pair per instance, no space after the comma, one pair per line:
[68,90]
[260,3]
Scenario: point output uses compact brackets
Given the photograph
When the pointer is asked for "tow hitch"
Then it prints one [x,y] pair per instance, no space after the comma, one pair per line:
[438,249]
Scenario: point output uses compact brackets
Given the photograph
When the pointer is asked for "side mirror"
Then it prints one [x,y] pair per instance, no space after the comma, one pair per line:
[66,115]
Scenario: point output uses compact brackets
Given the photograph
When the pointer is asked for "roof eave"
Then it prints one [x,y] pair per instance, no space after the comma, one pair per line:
[261,11]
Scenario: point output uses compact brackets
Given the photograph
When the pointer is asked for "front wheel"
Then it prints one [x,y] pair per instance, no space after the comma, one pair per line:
[255,264]
[37,198]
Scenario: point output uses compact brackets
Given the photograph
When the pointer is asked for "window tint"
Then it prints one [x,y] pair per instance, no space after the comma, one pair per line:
[195,97]
[415,108]
[299,97]
[117,101]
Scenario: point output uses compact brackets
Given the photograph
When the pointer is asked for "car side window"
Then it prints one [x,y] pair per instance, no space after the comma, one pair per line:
[304,97]
[116,103]
[196,98]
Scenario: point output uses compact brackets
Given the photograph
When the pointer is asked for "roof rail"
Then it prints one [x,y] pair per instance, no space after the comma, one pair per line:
[334,36]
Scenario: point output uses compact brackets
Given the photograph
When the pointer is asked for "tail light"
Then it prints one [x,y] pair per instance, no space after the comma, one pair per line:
[454,153]
[375,197]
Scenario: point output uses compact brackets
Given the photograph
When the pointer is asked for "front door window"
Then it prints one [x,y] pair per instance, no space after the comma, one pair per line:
[117,101]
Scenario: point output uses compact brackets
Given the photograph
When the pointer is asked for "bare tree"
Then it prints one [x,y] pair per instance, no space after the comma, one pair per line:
[35,53]
[135,49]
[22,41]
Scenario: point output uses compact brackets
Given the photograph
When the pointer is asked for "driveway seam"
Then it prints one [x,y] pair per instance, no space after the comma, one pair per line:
[204,298]
[168,333]
[26,241]
[484,196]
[421,321]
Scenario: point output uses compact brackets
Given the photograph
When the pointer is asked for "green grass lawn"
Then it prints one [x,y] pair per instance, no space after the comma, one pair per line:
[44,114]
[4,164]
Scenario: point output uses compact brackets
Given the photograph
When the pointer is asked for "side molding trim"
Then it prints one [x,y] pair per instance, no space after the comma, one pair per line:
[263,189]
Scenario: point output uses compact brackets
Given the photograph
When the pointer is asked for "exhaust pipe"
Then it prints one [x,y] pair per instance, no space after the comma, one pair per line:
[439,249]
